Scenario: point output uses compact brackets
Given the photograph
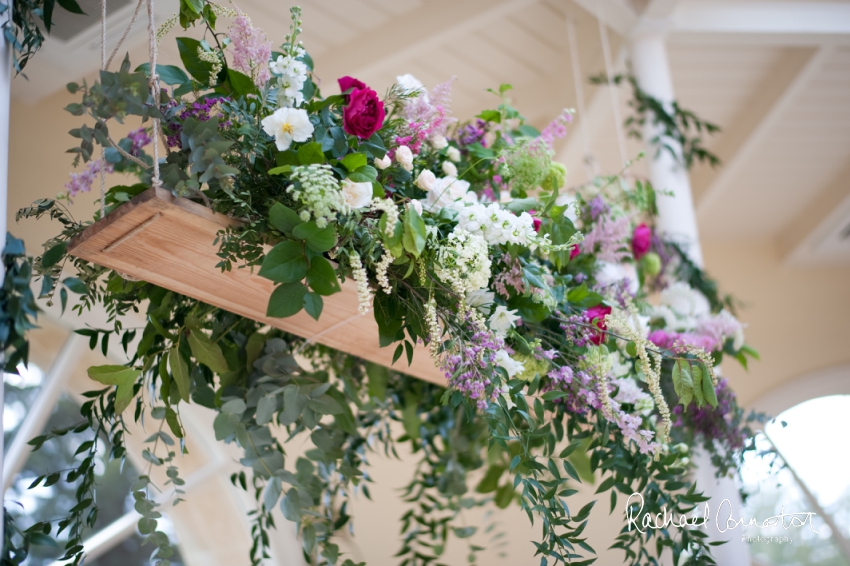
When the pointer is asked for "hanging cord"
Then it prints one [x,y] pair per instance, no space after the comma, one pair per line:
[154,86]
[615,96]
[589,161]
[126,33]
[102,68]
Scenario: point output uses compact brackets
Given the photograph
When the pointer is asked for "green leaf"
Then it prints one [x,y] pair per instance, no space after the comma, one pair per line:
[41,539]
[551,395]
[266,407]
[286,300]
[52,256]
[180,373]
[169,74]
[173,422]
[284,218]
[318,239]
[490,116]
[354,161]
[207,352]
[313,304]
[697,376]
[325,405]
[76,285]
[504,496]
[291,506]
[241,83]
[393,242]
[200,70]
[378,378]
[321,277]
[285,263]
[490,481]
[414,232]
[123,377]
[311,153]
[683,377]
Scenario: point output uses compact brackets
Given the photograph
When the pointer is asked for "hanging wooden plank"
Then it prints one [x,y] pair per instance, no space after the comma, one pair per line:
[169,241]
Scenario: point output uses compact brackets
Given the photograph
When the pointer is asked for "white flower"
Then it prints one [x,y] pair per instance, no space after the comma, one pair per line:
[619,368]
[416,205]
[610,273]
[291,75]
[288,125]
[463,261]
[410,83]
[426,180]
[453,153]
[503,360]
[570,202]
[438,141]
[404,157]
[628,391]
[684,301]
[502,320]
[480,298]
[449,169]
[446,191]
[357,195]
[383,162]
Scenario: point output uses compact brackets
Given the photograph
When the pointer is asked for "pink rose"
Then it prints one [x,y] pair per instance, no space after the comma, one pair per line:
[641,240]
[364,115]
[536,221]
[598,312]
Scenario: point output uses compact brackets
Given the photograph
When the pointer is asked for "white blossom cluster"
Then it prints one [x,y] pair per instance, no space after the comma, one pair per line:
[463,261]
[364,294]
[290,75]
[319,193]
[381,272]
[387,206]
[497,225]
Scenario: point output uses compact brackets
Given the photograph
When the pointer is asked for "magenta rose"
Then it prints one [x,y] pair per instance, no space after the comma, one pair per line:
[347,82]
[364,114]
[598,312]
[574,251]
[641,240]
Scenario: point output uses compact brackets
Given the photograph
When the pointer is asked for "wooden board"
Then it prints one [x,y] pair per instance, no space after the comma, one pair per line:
[169,241]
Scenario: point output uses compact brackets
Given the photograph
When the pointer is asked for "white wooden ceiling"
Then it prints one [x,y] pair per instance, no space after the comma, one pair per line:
[774,74]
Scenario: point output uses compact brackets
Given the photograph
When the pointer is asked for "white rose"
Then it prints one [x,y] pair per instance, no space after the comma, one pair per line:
[449,169]
[356,195]
[426,180]
[417,206]
[480,298]
[404,157]
[453,153]
[438,141]
[510,365]
[383,162]
[288,125]
[502,320]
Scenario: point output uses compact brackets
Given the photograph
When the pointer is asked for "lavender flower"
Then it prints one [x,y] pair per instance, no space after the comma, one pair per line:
[138,139]
[557,128]
[82,182]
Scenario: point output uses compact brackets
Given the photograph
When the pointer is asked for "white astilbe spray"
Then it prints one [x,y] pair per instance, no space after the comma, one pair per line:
[435,333]
[364,294]
[381,272]
[318,190]
[214,60]
[389,208]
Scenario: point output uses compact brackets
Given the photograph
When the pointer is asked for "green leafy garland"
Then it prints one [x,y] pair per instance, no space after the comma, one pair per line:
[265,395]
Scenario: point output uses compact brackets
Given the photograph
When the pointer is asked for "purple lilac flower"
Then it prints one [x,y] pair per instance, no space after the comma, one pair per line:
[472,133]
[597,207]
[716,423]
[82,182]
[139,139]
[251,50]
[468,367]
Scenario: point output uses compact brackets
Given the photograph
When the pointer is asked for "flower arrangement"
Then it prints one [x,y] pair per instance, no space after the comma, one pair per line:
[537,302]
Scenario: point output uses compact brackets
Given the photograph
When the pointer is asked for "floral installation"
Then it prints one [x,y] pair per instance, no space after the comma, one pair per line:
[566,328]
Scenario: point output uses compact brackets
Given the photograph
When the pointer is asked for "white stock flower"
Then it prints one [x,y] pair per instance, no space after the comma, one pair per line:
[291,75]
[502,320]
[288,125]
[383,162]
[510,365]
[449,169]
[356,195]
[404,157]
[446,191]
[438,141]
[453,153]
[426,180]
[463,261]
[628,391]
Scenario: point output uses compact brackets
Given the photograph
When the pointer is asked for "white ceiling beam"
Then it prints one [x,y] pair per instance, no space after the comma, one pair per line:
[779,22]
[411,35]
[616,14]
[762,130]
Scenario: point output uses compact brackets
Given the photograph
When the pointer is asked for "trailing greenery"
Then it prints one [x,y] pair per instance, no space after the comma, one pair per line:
[30,20]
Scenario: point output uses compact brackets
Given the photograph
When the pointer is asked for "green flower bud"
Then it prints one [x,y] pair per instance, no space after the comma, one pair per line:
[651,264]
[556,176]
